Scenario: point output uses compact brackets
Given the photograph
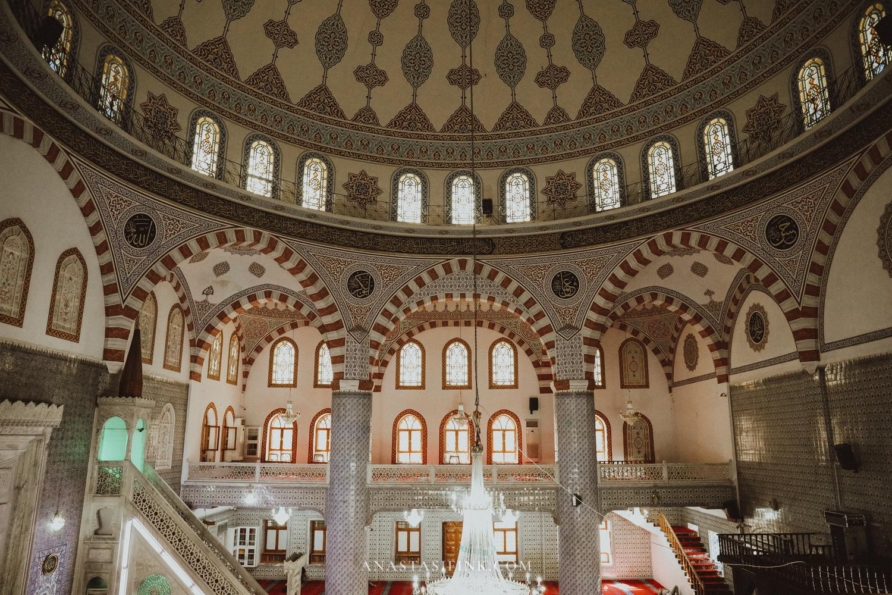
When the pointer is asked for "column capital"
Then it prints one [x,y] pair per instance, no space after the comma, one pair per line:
[352,385]
[573,386]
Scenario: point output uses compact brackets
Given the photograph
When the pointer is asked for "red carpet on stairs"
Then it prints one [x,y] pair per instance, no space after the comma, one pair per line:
[610,587]
[704,567]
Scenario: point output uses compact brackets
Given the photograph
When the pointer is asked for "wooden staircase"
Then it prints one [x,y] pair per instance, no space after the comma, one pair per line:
[703,567]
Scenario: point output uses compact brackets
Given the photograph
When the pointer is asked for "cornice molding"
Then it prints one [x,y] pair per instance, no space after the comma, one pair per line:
[29,414]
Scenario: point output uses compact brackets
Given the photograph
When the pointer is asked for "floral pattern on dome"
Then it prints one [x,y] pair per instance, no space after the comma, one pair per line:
[280,33]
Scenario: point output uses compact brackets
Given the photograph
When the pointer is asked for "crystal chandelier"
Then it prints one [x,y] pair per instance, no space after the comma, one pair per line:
[460,418]
[629,415]
[290,416]
[281,516]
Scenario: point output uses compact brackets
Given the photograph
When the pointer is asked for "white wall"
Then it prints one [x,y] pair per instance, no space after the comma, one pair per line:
[780,341]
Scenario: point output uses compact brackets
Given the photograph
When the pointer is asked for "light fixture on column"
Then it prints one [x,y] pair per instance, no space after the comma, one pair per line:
[58,522]
[281,516]
[414,517]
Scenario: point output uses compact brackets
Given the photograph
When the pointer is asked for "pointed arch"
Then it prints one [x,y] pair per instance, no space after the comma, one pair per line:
[414,437]
[405,377]
[261,166]
[320,438]
[283,357]
[215,357]
[638,440]
[322,371]
[606,182]
[457,438]
[661,167]
[210,433]
[315,182]
[148,325]
[115,85]
[605,436]
[717,145]
[464,193]
[228,431]
[173,346]
[63,54]
[810,87]
[502,354]
[517,195]
[207,152]
[504,446]
[282,437]
[409,189]
[17,262]
[233,358]
[457,364]
[628,368]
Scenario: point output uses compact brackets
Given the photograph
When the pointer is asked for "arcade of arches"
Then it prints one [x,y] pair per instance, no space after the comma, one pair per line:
[257,258]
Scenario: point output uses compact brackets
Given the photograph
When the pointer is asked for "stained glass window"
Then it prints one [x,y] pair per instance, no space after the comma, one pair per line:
[814,95]
[322,439]
[280,440]
[206,146]
[67,308]
[283,363]
[148,316]
[59,55]
[114,88]
[457,442]
[717,145]
[215,357]
[457,365]
[409,199]
[661,167]
[173,347]
[503,365]
[261,167]
[504,440]
[410,366]
[409,434]
[324,371]
[873,51]
[463,200]
[605,178]
[598,368]
[517,198]
[16,254]
[315,184]
[233,361]
[601,439]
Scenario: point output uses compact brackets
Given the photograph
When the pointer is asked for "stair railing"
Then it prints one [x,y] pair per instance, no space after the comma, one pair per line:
[693,577]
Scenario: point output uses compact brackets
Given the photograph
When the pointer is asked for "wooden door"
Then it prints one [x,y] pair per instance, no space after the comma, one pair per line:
[451,544]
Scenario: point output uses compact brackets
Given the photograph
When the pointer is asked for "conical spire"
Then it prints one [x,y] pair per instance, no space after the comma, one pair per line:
[131,375]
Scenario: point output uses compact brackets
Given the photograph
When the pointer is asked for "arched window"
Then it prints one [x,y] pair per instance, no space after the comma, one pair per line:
[62,54]
[114,87]
[598,368]
[633,364]
[814,93]
[661,166]
[457,365]
[173,346]
[874,52]
[207,145]
[409,439]
[410,196]
[455,440]
[283,363]
[16,261]
[517,192]
[261,166]
[463,202]
[69,291]
[164,436]
[232,362]
[320,431]
[504,442]
[279,439]
[210,434]
[215,357]
[638,441]
[113,440]
[606,182]
[604,447]
[324,371]
[503,364]
[316,183]
[717,147]
[230,432]
[410,366]
[148,320]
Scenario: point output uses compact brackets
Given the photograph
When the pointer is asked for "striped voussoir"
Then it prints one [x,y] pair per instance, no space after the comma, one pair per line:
[737,295]
[540,360]
[232,310]
[250,358]
[17,127]
[597,321]
[687,315]
[404,301]
[283,254]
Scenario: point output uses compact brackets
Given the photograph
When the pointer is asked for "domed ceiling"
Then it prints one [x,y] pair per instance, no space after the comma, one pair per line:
[392,80]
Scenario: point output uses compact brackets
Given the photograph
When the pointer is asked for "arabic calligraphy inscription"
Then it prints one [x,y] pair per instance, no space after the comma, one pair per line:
[140,231]
[361,284]
[565,284]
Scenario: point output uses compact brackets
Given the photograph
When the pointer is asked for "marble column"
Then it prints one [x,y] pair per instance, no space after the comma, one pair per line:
[346,505]
[579,561]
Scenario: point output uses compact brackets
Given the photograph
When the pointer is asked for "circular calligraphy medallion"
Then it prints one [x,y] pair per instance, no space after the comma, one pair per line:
[757,327]
[565,284]
[361,284]
[50,564]
[691,353]
[782,232]
[140,231]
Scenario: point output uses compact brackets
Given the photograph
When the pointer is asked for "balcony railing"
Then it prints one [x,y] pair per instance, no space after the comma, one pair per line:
[506,475]
[85,84]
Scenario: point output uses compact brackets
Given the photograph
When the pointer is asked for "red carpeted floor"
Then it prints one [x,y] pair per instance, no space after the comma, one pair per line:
[610,587]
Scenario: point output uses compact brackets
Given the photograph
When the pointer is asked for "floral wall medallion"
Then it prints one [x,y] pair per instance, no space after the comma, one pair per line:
[757,327]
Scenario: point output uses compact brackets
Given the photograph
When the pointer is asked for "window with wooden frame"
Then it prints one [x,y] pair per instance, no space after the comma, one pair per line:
[215,357]
[318,542]
[409,439]
[504,442]
[283,363]
[505,540]
[503,364]
[210,434]
[604,448]
[230,432]
[320,429]
[279,439]
[605,532]
[275,542]
[455,440]
[233,360]
[408,543]
[244,546]
[410,366]
[457,365]
[324,372]
[598,369]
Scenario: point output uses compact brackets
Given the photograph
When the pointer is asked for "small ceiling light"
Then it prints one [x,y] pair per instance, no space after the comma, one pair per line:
[58,522]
